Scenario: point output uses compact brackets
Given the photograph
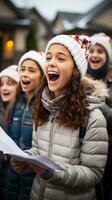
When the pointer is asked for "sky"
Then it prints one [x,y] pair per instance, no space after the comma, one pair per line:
[49,8]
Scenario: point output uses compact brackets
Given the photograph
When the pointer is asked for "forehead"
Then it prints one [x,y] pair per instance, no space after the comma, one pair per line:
[98,46]
[6,79]
[29,62]
[59,48]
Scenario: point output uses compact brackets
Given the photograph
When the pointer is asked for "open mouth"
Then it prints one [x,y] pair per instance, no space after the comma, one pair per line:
[6,94]
[53,76]
[26,82]
[95,61]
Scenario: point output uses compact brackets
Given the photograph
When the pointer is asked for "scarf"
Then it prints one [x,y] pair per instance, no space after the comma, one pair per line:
[51,103]
[98,73]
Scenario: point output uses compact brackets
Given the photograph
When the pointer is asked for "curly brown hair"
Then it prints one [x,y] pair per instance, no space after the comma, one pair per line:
[73,111]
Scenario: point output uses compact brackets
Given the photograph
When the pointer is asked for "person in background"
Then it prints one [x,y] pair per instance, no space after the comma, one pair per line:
[61,108]
[100,57]
[9,81]
[99,67]
[99,62]
[20,122]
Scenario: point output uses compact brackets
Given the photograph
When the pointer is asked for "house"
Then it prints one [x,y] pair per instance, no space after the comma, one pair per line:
[21,29]
[64,21]
[13,30]
[41,28]
[98,19]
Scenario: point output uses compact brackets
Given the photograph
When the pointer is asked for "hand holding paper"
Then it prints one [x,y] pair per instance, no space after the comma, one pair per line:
[9,147]
[19,166]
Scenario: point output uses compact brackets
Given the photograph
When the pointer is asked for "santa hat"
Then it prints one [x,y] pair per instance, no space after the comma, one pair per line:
[11,72]
[74,44]
[33,55]
[104,41]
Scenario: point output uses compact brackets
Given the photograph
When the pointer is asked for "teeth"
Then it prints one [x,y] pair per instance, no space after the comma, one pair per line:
[52,72]
[24,80]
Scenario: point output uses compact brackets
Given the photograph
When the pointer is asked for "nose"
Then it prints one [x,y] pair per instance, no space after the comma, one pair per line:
[52,62]
[95,54]
[24,73]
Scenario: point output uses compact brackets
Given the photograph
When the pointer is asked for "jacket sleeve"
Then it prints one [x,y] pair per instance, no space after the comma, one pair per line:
[93,156]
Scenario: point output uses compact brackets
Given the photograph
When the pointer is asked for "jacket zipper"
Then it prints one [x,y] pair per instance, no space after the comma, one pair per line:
[43,184]
[25,108]
[51,136]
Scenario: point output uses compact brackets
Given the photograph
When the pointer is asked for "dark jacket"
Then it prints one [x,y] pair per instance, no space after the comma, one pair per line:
[20,130]
[3,162]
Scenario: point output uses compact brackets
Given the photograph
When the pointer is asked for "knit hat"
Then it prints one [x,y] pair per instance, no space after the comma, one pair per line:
[75,45]
[33,55]
[103,40]
[12,72]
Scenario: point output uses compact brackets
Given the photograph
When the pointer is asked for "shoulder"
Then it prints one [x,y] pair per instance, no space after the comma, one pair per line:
[97,117]
[97,126]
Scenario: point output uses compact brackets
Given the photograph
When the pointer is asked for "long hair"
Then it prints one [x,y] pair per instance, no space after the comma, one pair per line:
[74,108]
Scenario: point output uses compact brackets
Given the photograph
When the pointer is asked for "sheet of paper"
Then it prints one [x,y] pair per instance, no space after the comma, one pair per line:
[8,146]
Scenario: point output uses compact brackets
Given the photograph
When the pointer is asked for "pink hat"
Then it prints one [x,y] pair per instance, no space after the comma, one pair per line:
[75,45]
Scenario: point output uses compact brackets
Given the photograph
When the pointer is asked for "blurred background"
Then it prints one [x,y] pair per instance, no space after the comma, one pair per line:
[29,24]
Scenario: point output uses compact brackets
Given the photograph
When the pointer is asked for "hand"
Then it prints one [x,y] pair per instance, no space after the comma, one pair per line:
[43,173]
[19,166]
[38,170]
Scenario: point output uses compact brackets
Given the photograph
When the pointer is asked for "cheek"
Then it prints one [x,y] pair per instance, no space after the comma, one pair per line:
[45,69]
[104,57]
[88,58]
[13,89]
[36,80]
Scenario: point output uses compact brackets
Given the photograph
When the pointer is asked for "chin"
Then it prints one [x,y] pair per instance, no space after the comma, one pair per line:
[6,100]
[52,89]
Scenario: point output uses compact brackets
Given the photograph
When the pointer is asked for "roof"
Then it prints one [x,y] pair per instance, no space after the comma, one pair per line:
[14,23]
[49,8]
[83,22]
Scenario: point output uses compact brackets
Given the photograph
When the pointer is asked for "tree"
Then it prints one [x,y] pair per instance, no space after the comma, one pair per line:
[31,42]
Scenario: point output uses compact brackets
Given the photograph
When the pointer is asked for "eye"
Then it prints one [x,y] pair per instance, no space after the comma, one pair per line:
[22,69]
[61,59]
[91,51]
[48,58]
[32,71]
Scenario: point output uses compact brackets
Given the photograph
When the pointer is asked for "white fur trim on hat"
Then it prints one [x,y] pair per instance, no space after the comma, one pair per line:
[33,55]
[103,41]
[11,72]
[75,49]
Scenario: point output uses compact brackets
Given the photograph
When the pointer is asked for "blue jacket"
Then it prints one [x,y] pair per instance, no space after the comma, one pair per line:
[20,130]
[3,123]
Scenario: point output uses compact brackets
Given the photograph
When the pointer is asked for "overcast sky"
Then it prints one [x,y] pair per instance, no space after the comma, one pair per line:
[49,8]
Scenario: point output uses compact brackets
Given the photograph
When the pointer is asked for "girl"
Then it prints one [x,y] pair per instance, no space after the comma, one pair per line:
[99,58]
[20,123]
[9,81]
[59,112]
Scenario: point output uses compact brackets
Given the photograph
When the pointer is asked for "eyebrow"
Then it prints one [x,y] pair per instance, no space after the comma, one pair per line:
[61,53]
